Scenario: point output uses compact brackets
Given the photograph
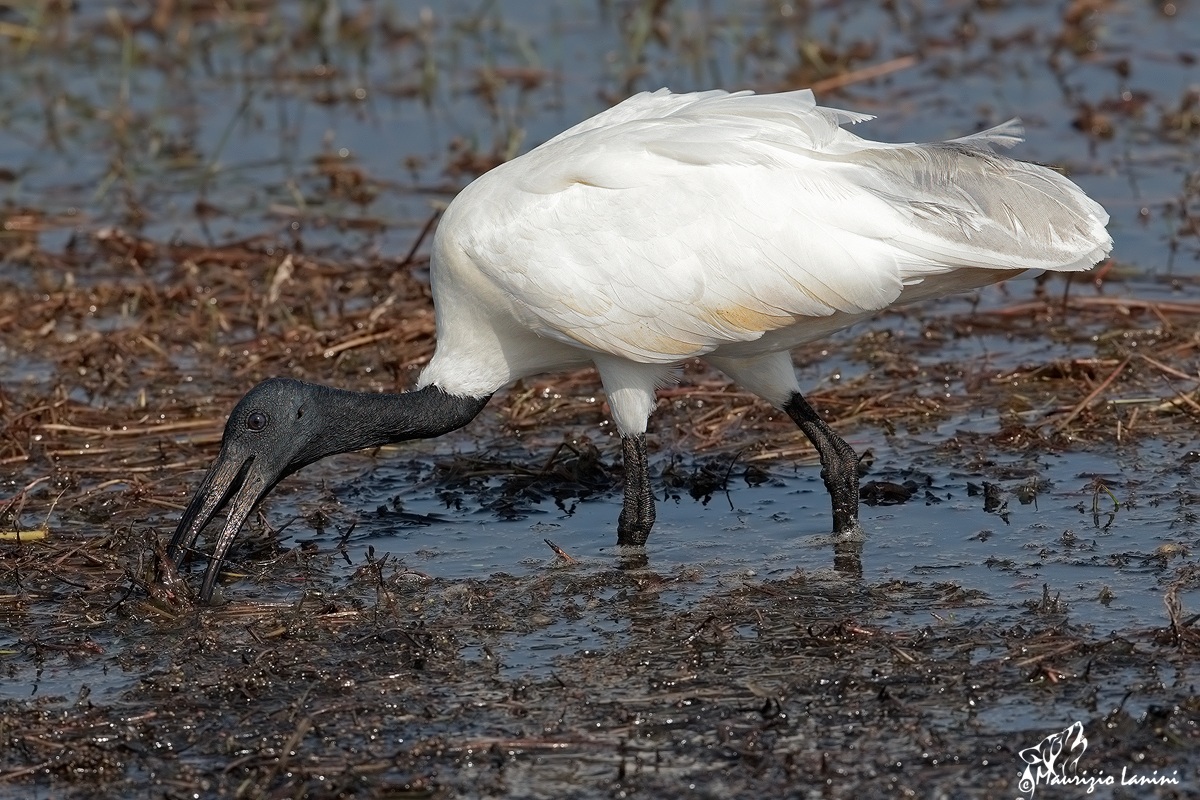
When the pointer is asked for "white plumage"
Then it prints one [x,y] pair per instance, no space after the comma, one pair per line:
[726,226]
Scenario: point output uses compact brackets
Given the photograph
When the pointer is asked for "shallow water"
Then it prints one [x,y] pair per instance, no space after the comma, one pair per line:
[754,533]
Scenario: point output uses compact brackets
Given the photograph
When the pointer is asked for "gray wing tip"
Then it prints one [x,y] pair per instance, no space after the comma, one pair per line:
[1007,134]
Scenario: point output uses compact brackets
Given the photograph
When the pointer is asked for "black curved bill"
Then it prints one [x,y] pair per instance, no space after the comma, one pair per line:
[229,482]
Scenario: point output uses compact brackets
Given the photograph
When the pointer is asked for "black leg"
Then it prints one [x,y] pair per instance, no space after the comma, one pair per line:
[637,514]
[847,556]
[839,464]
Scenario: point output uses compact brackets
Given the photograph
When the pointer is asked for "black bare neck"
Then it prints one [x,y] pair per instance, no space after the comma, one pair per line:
[359,420]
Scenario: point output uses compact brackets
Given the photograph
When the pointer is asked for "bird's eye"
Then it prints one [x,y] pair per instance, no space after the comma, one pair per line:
[256,421]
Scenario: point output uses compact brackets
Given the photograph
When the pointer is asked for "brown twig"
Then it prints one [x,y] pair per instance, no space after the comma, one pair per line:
[864,74]
[1091,398]
[558,551]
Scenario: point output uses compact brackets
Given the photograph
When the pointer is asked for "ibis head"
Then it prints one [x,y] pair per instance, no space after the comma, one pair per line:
[282,425]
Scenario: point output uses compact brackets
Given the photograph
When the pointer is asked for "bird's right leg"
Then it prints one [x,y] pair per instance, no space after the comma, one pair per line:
[839,464]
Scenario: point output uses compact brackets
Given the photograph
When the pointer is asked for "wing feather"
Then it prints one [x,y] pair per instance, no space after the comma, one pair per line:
[671,225]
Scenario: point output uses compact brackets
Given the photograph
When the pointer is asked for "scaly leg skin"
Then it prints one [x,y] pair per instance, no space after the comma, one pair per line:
[637,513]
[839,464]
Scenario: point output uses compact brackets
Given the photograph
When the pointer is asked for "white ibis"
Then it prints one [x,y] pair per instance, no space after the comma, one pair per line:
[726,227]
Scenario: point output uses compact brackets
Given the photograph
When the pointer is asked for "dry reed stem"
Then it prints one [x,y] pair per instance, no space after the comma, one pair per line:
[1092,396]
[864,74]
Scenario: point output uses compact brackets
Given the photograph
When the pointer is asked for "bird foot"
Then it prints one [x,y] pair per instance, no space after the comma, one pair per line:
[632,535]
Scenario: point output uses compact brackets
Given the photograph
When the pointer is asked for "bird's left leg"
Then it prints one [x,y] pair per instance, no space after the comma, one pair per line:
[839,464]
[772,377]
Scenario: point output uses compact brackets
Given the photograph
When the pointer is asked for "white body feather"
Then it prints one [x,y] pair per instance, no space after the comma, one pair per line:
[732,227]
